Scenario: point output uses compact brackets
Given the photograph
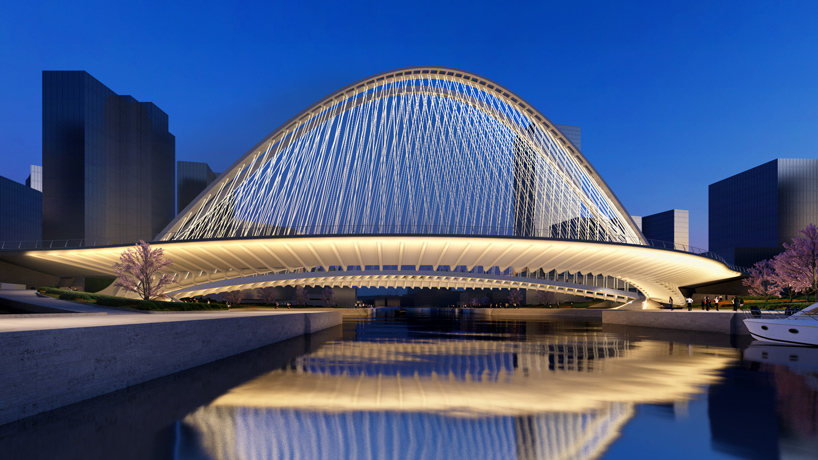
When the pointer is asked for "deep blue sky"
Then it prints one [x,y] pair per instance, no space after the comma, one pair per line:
[671,97]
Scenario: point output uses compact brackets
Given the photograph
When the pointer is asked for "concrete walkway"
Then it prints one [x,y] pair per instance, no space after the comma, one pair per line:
[43,322]
[33,302]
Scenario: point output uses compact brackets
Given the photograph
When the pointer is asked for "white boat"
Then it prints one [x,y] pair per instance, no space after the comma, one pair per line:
[800,328]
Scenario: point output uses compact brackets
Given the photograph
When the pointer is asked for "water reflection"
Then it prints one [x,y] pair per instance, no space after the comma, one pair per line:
[501,394]
[788,390]
[492,389]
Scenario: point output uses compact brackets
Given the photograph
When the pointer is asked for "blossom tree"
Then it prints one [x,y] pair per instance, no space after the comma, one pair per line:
[138,271]
[268,294]
[300,295]
[799,261]
[545,297]
[762,280]
[787,277]
[327,297]
[234,297]
[515,297]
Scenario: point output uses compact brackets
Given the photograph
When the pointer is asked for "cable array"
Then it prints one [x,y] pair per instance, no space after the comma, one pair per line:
[426,155]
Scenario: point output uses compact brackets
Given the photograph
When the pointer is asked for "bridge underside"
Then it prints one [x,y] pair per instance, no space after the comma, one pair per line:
[408,279]
[397,260]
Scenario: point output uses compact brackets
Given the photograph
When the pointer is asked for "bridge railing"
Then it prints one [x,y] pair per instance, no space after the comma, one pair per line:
[73,243]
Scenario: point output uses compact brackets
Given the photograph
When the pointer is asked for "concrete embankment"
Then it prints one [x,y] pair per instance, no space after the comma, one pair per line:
[146,411]
[50,362]
[702,321]
[726,322]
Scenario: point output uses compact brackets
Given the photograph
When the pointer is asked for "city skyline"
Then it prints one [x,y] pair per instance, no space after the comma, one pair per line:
[670,99]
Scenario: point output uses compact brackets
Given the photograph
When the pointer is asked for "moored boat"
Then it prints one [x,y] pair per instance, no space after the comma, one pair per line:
[800,328]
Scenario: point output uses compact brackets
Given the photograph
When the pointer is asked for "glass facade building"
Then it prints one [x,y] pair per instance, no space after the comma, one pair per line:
[20,212]
[108,162]
[191,178]
[35,178]
[573,133]
[752,214]
[672,226]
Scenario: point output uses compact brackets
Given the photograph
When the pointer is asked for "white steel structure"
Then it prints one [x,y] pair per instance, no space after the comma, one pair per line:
[425,150]
[417,177]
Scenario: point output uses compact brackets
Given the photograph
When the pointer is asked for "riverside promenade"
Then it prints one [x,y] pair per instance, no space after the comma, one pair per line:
[52,360]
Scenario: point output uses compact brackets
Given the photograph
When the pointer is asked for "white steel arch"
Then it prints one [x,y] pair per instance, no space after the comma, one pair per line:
[539,204]
[412,116]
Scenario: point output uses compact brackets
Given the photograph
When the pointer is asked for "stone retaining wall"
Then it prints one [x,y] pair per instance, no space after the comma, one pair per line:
[44,369]
[722,322]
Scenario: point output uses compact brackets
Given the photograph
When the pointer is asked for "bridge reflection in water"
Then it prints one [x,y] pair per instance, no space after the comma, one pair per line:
[558,397]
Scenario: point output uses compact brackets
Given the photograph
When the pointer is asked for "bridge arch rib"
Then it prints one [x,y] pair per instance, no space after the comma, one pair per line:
[571,201]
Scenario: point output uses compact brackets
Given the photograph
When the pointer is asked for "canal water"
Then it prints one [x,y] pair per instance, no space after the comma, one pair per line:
[447,386]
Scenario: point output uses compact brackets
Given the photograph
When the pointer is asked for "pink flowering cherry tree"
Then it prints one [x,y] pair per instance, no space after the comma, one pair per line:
[762,280]
[515,297]
[268,294]
[327,297]
[545,297]
[798,264]
[301,296]
[234,297]
[138,271]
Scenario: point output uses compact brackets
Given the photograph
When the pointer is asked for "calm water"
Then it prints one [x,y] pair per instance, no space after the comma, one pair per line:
[438,387]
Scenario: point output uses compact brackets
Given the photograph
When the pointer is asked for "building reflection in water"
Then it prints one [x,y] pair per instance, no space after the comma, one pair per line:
[553,397]
[775,389]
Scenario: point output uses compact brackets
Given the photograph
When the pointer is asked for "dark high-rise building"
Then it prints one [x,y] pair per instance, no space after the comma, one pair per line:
[752,214]
[20,212]
[108,162]
[191,178]
[525,188]
[670,226]
[525,192]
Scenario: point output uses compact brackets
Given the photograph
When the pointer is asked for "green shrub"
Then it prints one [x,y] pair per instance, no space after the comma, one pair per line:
[146,305]
[97,284]
[123,302]
[52,290]
[110,301]
[74,296]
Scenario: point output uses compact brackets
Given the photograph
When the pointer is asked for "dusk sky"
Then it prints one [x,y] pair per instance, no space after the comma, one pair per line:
[671,96]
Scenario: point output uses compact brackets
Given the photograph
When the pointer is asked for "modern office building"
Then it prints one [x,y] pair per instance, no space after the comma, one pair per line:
[752,214]
[573,133]
[191,178]
[526,176]
[671,226]
[108,162]
[20,212]
[35,178]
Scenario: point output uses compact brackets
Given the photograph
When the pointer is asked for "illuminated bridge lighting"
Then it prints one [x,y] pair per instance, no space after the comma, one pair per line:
[424,177]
